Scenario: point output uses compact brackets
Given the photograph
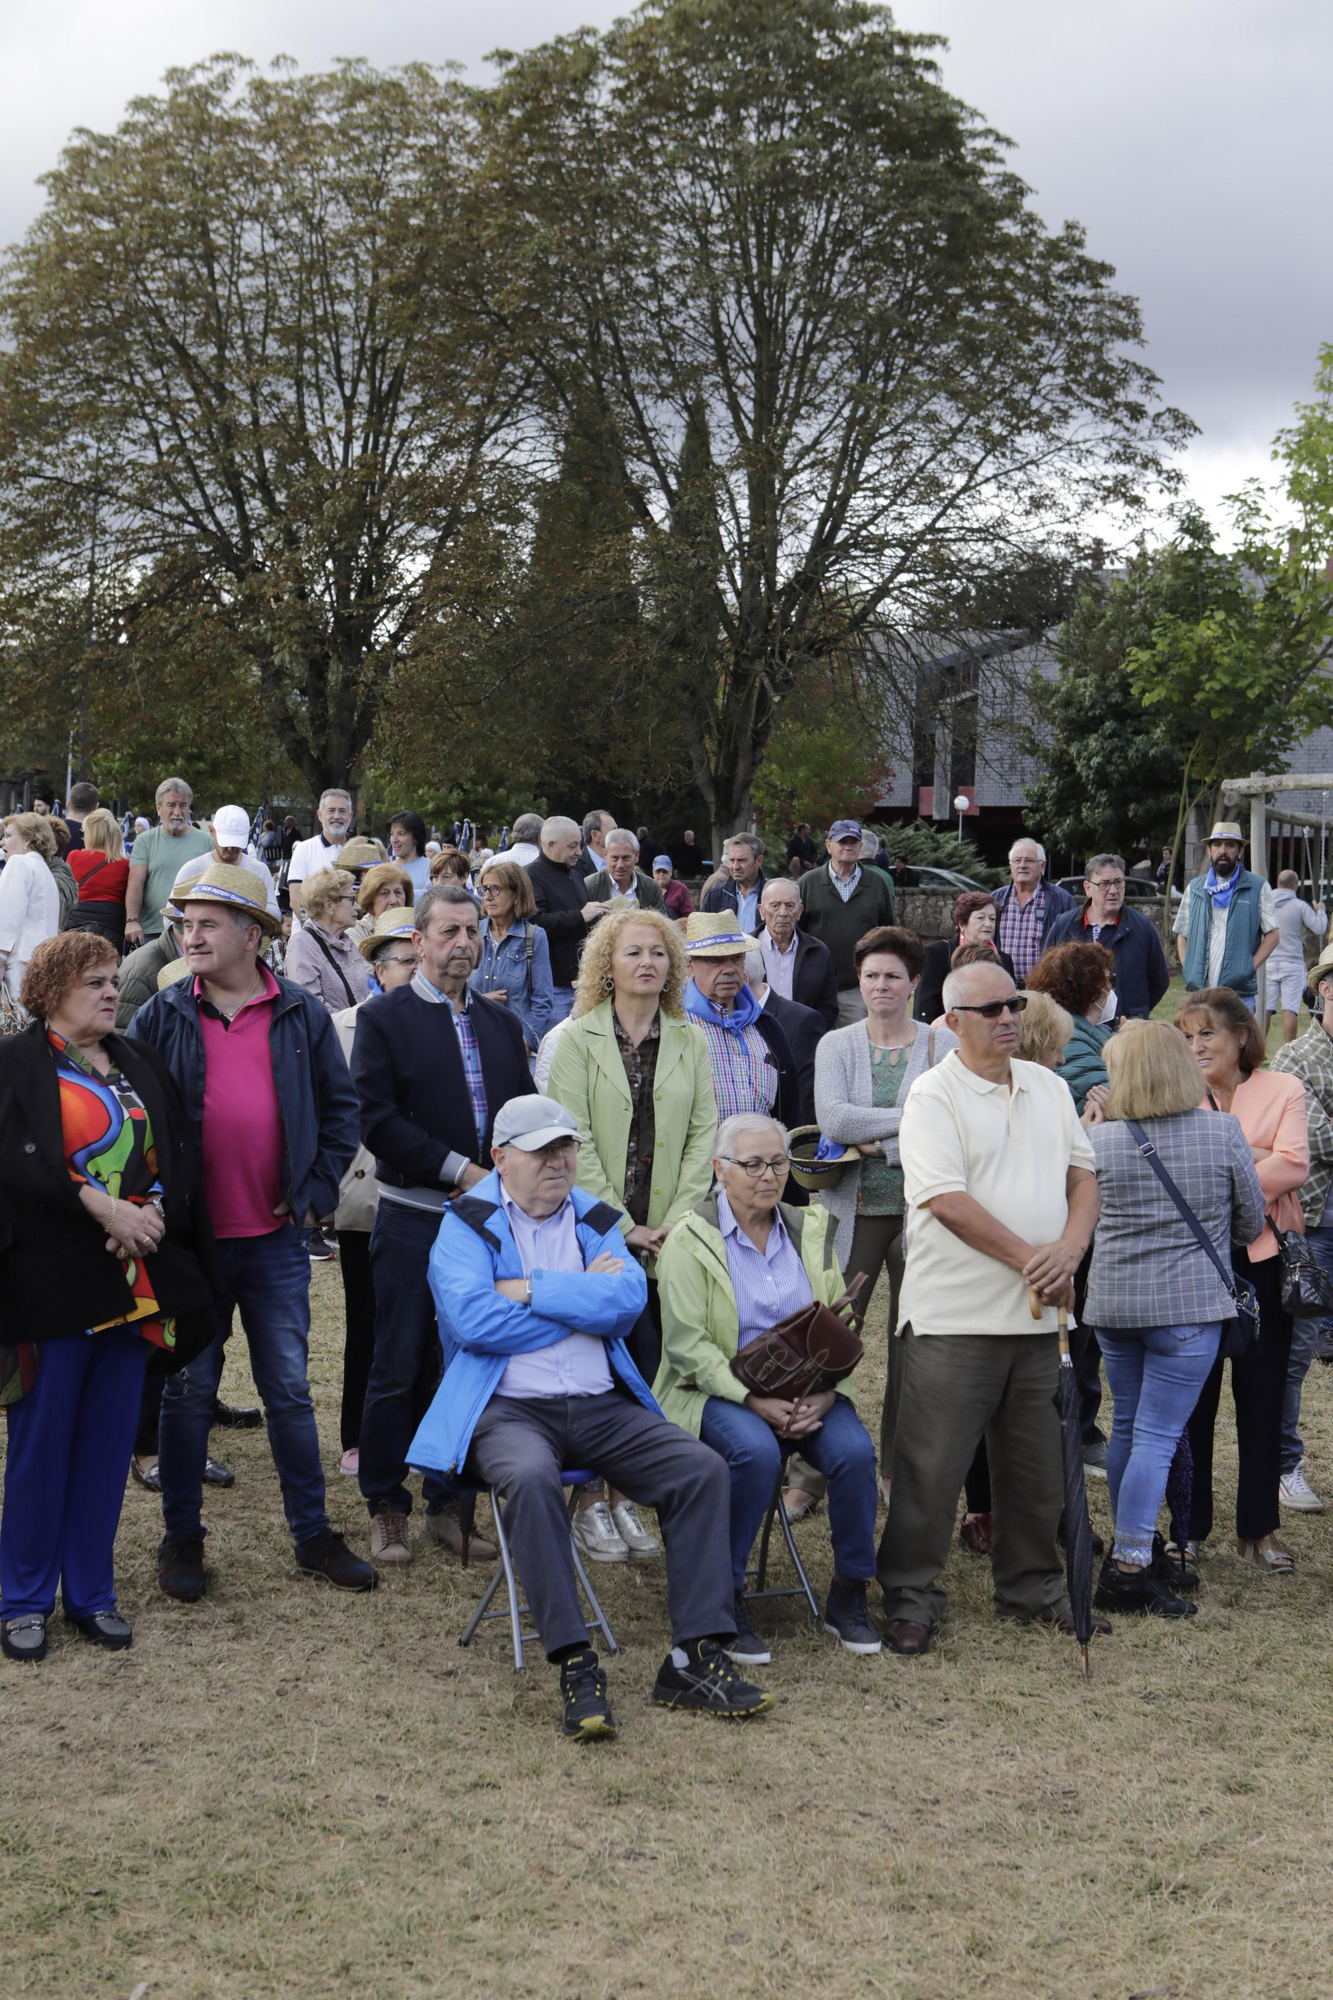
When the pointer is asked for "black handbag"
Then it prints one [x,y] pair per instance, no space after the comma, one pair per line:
[1307,1288]
[1241,1334]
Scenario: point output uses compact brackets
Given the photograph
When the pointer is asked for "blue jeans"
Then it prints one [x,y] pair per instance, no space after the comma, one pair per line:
[1155,1373]
[1304,1334]
[268,1277]
[66,1461]
[841,1449]
[405,1366]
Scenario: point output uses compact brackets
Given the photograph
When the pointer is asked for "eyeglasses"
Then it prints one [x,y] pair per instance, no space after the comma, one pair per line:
[495,889]
[397,958]
[1108,882]
[756,1169]
[991,1010]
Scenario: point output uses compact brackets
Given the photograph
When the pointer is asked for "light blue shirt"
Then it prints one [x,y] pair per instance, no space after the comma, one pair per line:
[846,889]
[577,1365]
[768,1283]
[747,910]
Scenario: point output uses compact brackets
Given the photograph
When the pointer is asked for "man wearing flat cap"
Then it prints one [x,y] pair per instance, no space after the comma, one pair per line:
[840,902]
[536,1293]
[1227,923]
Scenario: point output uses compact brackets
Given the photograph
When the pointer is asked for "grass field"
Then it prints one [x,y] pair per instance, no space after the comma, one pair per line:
[283,1792]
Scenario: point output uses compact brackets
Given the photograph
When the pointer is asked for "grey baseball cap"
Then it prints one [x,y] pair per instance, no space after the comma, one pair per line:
[531,1123]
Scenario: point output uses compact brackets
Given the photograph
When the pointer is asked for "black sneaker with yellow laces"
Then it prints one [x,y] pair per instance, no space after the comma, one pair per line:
[702,1676]
[587,1712]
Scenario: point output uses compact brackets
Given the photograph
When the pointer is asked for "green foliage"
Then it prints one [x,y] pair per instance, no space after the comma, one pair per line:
[922,844]
[822,759]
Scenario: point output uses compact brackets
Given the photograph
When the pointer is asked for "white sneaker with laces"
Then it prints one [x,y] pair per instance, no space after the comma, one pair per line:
[596,1535]
[641,1545]
[1294,1490]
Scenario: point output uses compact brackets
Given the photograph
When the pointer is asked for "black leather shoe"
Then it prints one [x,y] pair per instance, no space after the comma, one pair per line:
[216,1475]
[24,1638]
[908,1636]
[180,1569]
[228,1417]
[106,1628]
[328,1555]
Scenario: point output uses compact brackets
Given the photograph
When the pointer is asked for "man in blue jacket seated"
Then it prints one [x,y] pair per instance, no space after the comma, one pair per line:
[536,1293]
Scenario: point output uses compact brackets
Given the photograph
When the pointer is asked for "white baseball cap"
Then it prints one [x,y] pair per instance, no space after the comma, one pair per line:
[231,826]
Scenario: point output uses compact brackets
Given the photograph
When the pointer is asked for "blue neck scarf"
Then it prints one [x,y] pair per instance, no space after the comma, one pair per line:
[1221,892]
[743,1015]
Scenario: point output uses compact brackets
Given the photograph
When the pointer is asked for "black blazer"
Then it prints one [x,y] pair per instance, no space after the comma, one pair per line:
[929,1002]
[804,1030]
[409,1075]
[56,1275]
[813,982]
[560,895]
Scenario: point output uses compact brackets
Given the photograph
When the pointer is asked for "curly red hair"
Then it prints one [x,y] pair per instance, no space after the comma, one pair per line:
[57,966]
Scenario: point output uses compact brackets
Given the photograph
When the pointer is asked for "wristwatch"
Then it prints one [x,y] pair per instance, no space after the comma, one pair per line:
[528,1300]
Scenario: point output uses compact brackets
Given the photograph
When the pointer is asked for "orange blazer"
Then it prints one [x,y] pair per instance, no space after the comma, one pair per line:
[1271,1109]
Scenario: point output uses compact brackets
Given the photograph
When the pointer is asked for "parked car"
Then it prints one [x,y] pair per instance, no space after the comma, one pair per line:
[945,878]
[1138,889]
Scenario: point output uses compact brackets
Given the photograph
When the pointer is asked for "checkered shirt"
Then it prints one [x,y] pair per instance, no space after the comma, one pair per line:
[745,1076]
[1020,930]
[467,1047]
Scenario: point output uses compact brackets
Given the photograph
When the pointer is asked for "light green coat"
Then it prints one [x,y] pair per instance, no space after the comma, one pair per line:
[700,1324]
[588,1078]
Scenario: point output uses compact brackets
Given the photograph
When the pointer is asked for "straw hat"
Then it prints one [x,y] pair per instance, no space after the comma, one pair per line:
[236,887]
[179,968]
[1322,966]
[361,852]
[1226,829]
[389,924]
[717,934]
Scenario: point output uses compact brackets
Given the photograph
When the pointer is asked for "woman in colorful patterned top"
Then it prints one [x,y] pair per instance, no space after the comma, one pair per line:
[105,1257]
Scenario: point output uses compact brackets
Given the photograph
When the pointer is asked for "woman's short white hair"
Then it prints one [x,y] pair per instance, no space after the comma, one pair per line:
[745,1121]
[756,972]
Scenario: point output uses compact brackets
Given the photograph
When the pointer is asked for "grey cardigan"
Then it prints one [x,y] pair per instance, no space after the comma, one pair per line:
[844,1108]
[1148,1268]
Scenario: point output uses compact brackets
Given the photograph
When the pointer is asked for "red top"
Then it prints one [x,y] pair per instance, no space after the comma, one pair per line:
[99,880]
[243,1136]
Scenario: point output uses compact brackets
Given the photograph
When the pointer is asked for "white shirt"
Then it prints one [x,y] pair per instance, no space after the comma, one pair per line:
[577,1365]
[1010,1149]
[780,965]
[246,861]
[546,1048]
[309,856]
[521,853]
[29,911]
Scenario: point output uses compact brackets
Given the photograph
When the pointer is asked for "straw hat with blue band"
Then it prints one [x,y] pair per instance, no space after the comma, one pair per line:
[389,924]
[237,888]
[716,934]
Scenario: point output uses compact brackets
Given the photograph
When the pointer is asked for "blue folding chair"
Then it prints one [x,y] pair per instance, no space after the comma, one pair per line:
[506,1574]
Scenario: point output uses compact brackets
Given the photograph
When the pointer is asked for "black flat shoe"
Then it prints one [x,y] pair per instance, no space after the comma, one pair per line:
[228,1417]
[105,1628]
[1138,1592]
[214,1474]
[180,1569]
[24,1638]
[151,1481]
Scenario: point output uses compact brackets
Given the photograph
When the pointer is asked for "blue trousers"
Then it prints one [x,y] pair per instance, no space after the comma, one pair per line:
[1155,1373]
[268,1277]
[67,1458]
[405,1366]
[841,1449]
[1304,1334]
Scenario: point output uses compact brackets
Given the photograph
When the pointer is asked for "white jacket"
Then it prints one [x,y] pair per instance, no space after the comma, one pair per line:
[29,910]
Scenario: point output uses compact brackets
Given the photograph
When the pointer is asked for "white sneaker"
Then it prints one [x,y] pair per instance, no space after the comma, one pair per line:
[641,1545]
[1294,1490]
[595,1534]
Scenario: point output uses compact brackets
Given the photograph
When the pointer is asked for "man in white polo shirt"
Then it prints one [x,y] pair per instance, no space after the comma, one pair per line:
[322,848]
[1001,1201]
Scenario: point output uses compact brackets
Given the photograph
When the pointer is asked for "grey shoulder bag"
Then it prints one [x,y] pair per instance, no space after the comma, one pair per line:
[1241,1334]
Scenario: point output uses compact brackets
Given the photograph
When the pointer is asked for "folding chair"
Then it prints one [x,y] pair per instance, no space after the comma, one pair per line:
[506,1574]
[777,1512]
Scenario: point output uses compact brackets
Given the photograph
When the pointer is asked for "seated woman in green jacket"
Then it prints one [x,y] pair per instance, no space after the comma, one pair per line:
[635,1073]
[727,1273]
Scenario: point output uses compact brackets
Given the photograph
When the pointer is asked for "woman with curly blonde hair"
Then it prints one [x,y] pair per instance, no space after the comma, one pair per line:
[635,1072]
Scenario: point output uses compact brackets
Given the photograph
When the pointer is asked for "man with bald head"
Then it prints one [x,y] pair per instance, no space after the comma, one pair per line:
[1000,1200]
[564,908]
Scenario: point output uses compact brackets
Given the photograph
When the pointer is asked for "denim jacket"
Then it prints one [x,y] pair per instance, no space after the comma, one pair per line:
[526,981]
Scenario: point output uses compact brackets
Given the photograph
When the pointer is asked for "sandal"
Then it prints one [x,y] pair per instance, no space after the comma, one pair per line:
[1185,1556]
[1277,1562]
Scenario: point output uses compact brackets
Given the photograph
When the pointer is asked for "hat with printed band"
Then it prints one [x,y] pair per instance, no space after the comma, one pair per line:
[237,888]
[717,934]
[1226,829]
[388,924]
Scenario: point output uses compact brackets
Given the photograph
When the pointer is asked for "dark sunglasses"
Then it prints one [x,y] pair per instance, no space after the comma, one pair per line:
[991,1010]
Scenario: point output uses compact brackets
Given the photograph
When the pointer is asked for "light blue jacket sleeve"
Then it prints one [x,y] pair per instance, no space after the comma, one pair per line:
[478,1318]
[541,1001]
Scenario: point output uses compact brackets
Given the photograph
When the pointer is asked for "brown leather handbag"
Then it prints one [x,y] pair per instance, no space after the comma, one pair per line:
[809,1351]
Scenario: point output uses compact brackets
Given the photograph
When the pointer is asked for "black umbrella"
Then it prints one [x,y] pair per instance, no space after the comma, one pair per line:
[1078,1523]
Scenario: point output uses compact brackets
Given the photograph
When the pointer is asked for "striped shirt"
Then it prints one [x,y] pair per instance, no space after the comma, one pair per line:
[745,1076]
[1020,930]
[467,1047]
[768,1283]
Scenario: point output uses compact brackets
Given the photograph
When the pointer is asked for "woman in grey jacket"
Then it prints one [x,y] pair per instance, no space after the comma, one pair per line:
[1154,1295]
[862,1076]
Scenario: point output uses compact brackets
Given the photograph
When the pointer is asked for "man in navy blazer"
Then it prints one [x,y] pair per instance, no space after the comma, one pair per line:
[432,1064]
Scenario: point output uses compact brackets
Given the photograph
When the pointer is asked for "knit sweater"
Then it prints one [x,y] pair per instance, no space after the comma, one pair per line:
[840,925]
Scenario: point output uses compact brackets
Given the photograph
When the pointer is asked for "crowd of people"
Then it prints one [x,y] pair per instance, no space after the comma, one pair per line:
[545,1110]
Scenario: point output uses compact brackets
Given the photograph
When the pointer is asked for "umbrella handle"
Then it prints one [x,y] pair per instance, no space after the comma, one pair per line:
[1035,1305]
[1063,1321]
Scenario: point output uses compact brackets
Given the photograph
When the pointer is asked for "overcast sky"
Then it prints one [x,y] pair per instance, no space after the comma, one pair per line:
[1188,136]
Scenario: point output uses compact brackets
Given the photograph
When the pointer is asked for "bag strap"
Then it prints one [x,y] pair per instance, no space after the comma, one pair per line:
[347,985]
[1149,1152]
[529,946]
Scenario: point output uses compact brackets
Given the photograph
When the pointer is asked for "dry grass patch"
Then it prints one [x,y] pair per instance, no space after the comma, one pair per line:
[283,1792]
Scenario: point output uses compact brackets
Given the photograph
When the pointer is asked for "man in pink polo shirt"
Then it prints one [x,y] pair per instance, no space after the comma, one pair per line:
[274,1114]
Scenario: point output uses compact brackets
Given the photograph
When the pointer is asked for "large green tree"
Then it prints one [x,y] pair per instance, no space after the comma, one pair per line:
[238,358]
[770,215]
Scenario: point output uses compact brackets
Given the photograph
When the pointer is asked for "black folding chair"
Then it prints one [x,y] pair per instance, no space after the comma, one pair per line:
[506,1574]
